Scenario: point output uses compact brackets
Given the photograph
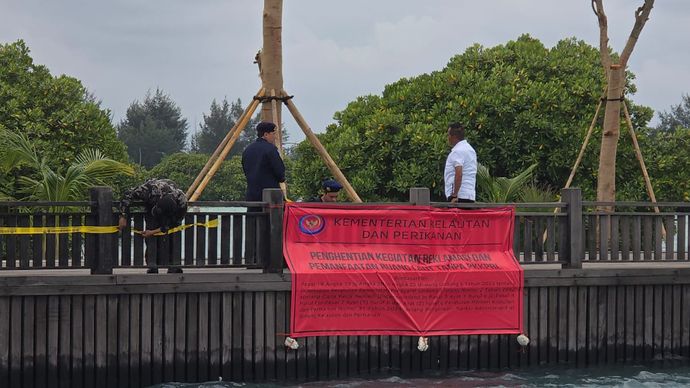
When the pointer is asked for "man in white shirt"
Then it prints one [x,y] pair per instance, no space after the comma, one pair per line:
[461,167]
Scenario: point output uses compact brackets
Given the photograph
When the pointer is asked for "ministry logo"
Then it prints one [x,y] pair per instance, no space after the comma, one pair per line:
[311,224]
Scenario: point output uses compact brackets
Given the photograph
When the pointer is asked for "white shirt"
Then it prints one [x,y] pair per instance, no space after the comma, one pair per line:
[463,155]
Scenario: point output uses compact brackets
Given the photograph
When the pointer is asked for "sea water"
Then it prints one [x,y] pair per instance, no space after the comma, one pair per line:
[631,375]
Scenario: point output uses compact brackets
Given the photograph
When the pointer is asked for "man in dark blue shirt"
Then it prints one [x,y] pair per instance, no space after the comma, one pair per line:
[261,163]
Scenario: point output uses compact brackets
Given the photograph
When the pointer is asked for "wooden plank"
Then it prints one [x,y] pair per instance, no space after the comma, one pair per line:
[147,365]
[670,228]
[203,338]
[24,246]
[64,343]
[53,338]
[78,242]
[591,233]
[552,325]
[11,242]
[157,338]
[332,358]
[89,340]
[621,309]
[15,349]
[237,238]
[615,238]
[50,243]
[506,348]
[648,237]
[238,337]
[212,233]
[609,322]
[464,346]
[543,304]
[37,245]
[270,335]
[5,335]
[453,351]
[676,346]
[657,324]
[248,336]
[667,321]
[625,238]
[227,336]
[63,243]
[28,339]
[563,323]
[648,339]
[189,241]
[111,341]
[473,351]
[353,354]
[138,241]
[444,348]
[126,246]
[124,339]
[342,356]
[250,238]
[582,299]
[517,243]
[563,238]
[374,355]
[637,238]
[196,321]
[168,337]
[177,248]
[527,241]
[215,336]
[602,333]
[604,235]
[685,322]
[539,231]
[40,343]
[201,239]
[180,337]
[681,236]
[225,238]
[639,323]
[483,350]
[135,341]
[658,239]
[551,239]
[259,336]
[534,316]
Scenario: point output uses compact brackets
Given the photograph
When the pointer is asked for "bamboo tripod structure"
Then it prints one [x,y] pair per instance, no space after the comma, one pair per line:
[638,154]
[221,152]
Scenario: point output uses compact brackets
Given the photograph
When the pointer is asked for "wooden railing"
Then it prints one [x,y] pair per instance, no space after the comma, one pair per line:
[568,233]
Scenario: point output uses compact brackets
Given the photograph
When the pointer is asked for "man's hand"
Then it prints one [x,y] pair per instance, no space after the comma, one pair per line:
[122,224]
[149,233]
[454,200]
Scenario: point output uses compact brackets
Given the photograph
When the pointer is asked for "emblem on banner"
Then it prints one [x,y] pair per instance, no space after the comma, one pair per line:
[311,224]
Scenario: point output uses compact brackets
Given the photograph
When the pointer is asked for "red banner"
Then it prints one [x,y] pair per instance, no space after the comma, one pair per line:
[401,270]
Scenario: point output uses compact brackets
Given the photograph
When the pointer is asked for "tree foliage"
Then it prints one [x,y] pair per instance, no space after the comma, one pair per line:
[56,114]
[522,103]
[677,117]
[48,183]
[220,119]
[228,184]
[153,129]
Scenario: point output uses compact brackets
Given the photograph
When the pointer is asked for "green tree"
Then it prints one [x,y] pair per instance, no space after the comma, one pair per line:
[522,103]
[48,183]
[228,184]
[153,129]
[56,114]
[678,117]
[220,119]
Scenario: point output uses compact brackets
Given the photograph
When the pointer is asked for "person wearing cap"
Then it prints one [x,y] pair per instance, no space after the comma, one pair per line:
[331,188]
[261,163]
[165,205]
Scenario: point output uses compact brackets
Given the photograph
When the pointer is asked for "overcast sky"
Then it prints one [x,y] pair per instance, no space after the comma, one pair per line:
[333,51]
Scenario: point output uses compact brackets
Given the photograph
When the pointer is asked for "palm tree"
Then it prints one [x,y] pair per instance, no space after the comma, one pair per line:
[502,189]
[90,168]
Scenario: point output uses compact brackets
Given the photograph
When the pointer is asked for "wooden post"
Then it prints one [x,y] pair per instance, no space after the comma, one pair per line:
[102,207]
[276,120]
[576,252]
[420,196]
[228,146]
[221,146]
[271,57]
[337,174]
[274,197]
[584,146]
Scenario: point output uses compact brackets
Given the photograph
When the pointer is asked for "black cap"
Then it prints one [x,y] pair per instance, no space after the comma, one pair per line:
[331,186]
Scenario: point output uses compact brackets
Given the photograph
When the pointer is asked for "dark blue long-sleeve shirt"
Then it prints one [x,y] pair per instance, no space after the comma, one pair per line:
[263,168]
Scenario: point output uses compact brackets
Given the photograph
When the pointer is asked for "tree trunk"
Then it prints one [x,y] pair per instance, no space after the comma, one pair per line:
[271,59]
[606,181]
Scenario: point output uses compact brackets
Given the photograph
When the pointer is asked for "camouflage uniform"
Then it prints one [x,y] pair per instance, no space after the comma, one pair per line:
[150,193]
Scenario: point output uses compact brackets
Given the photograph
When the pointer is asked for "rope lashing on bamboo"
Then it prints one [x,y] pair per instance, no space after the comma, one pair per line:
[622,98]
[89,229]
[283,99]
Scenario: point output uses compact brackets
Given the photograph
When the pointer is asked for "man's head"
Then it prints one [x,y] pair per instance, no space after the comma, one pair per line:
[267,131]
[456,133]
[331,188]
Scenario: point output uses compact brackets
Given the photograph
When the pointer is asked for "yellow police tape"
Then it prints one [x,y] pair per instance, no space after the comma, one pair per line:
[91,229]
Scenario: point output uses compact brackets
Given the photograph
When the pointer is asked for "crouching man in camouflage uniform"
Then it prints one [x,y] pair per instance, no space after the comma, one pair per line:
[166,206]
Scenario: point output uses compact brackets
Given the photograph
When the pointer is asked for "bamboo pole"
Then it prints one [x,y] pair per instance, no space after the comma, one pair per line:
[276,121]
[220,148]
[321,150]
[584,146]
[638,154]
[216,164]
